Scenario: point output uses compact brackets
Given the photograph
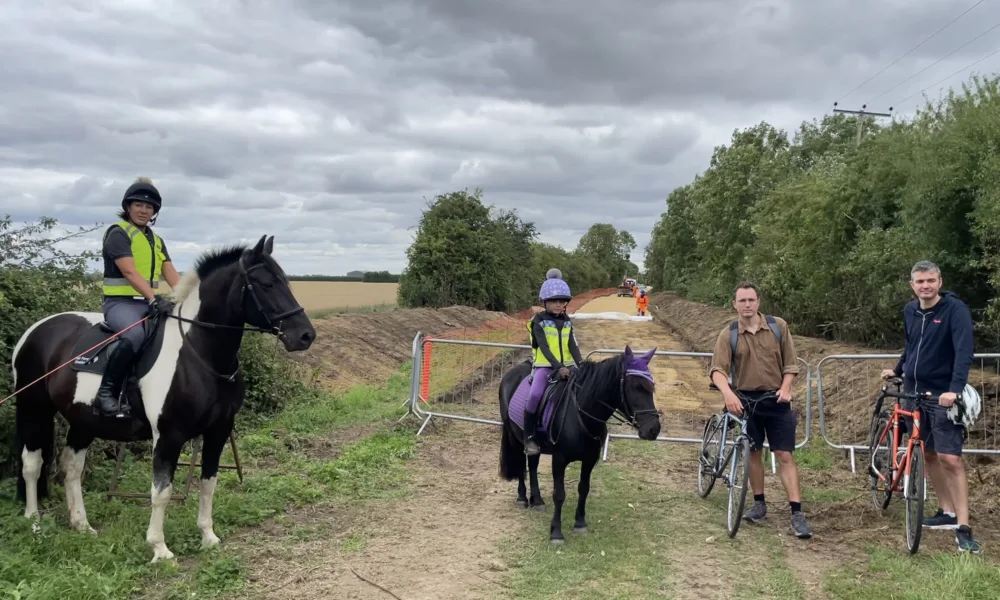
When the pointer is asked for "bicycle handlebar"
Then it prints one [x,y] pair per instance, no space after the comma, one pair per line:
[741,396]
[898,382]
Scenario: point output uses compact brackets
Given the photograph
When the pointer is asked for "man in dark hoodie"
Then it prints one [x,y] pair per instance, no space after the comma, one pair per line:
[939,349]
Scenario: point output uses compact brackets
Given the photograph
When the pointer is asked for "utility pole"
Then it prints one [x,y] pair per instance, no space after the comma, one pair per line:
[861,114]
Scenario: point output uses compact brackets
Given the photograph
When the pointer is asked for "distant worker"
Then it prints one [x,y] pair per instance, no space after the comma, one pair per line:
[552,344]
[641,303]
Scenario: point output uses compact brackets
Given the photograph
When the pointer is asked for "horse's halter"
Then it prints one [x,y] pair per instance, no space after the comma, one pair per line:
[273,319]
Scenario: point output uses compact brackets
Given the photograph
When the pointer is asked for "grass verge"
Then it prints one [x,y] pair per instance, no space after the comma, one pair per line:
[59,563]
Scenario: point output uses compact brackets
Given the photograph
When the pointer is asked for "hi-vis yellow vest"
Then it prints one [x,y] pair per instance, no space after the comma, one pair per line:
[148,259]
[558,344]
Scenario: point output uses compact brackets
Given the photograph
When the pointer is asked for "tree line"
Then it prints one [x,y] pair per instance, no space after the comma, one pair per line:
[368,277]
[469,253]
[830,230]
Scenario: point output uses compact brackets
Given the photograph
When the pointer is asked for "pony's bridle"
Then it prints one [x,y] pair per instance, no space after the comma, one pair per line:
[247,291]
[623,412]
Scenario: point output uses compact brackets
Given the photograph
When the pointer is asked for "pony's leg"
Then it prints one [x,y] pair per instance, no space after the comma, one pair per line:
[587,466]
[74,457]
[559,496]
[31,470]
[535,501]
[214,443]
[522,491]
[166,451]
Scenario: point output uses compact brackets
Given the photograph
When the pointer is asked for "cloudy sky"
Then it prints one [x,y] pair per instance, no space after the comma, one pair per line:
[329,124]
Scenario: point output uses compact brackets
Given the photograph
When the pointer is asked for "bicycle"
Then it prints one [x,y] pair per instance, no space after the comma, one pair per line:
[905,465]
[738,474]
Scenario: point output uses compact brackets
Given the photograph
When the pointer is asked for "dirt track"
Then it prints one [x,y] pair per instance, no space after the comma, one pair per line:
[443,541]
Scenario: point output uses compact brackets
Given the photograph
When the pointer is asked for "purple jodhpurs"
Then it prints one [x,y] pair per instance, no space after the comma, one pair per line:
[540,380]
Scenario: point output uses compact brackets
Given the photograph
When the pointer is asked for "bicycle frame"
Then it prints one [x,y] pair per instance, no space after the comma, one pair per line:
[899,473]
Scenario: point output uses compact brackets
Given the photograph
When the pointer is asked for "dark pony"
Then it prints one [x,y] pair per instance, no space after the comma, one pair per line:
[184,383]
[595,392]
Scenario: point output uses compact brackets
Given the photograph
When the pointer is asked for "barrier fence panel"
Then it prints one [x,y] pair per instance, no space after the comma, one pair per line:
[847,385]
[686,410]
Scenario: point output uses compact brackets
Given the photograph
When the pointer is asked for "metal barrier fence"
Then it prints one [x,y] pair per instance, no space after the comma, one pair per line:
[476,368]
[470,374]
[853,381]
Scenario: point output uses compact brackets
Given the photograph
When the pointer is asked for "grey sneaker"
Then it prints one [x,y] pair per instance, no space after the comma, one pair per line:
[963,537]
[757,512]
[800,526]
[941,521]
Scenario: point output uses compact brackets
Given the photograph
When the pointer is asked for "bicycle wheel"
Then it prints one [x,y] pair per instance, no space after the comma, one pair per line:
[914,494]
[738,485]
[880,459]
[708,456]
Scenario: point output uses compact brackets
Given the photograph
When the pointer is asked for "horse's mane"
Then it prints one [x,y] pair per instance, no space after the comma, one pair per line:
[209,262]
[596,374]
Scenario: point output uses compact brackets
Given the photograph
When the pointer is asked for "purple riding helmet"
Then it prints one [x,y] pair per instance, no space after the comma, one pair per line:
[554,287]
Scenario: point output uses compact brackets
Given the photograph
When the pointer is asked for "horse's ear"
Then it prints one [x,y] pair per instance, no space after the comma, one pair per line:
[269,245]
[649,355]
[628,352]
[259,248]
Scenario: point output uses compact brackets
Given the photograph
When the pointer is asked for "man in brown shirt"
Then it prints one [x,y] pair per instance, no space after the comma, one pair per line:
[763,364]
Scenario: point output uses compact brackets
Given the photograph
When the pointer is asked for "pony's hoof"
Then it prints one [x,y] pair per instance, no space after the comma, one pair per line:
[557,541]
[163,554]
[538,507]
[210,540]
[580,530]
[521,504]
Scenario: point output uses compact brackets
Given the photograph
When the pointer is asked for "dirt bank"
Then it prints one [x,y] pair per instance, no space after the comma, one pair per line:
[354,349]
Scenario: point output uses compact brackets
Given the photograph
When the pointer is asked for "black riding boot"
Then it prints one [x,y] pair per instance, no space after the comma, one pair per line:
[107,402]
[530,425]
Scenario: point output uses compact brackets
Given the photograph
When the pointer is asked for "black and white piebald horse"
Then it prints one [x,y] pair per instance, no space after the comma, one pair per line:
[185,382]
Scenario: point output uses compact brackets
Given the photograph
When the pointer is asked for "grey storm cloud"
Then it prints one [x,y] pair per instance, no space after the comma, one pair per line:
[331,124]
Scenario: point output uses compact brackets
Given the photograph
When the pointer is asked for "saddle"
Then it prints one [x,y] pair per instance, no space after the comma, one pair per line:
[94,360]
[554,402]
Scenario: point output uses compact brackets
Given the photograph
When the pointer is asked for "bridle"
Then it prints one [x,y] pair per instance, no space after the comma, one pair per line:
[623,411]
[248,291]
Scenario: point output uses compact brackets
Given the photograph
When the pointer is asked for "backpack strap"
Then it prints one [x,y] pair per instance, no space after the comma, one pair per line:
[734,331]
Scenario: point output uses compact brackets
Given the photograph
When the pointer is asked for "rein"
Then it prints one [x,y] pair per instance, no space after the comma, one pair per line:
[626,416]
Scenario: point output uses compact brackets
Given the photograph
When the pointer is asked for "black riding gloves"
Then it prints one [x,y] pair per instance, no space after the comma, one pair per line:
[160,306]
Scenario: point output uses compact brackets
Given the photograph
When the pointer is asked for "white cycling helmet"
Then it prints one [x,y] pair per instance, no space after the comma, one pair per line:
[966,409]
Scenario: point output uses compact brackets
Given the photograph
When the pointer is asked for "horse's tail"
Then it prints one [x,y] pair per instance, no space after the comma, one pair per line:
[512,459]
[41,429]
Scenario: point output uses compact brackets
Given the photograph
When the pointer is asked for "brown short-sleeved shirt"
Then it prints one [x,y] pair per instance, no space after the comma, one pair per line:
[760,361]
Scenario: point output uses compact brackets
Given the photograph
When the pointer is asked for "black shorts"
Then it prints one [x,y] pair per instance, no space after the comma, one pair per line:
[938,432]
[771,419]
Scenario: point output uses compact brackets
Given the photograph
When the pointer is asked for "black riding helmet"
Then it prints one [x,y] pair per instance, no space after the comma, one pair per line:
[144,191]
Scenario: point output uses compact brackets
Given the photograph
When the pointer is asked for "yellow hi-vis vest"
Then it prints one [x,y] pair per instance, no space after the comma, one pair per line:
[558,344]
[148,259]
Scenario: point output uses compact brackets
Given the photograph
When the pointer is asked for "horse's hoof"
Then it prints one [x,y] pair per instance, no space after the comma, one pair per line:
[159,555]
[538,507]
[557,541]
[209,541]
[580,530]
[522,504]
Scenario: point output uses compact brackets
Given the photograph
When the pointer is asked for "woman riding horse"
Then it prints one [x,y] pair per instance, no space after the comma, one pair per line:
[135,258]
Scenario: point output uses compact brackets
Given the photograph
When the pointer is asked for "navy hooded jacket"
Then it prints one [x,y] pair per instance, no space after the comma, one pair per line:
[939,346]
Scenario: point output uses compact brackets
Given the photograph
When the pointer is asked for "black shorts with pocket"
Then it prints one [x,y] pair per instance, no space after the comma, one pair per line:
[773,420]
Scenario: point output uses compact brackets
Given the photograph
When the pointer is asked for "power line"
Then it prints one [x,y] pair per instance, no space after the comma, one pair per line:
[935,62]
[948,77]
[912,49]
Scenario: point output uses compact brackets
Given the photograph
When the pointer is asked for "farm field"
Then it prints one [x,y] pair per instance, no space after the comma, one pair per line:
[319,297]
